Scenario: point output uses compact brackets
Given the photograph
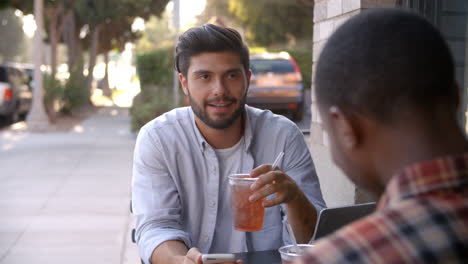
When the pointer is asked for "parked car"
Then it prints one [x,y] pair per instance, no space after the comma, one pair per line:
[15,91]
[276,84]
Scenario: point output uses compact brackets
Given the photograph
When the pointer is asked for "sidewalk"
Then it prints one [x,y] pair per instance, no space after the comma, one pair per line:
[64,197]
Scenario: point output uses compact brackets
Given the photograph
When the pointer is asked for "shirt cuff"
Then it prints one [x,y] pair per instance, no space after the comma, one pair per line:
[153,238]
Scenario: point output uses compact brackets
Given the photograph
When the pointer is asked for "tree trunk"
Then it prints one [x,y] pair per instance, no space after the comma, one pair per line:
[105,87]
[53,37]
[71,39]
[73,43]
[92,57]
[66,28]
[37,119]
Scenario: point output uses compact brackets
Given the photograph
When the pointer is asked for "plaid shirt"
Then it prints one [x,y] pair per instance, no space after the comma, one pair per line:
[422,217]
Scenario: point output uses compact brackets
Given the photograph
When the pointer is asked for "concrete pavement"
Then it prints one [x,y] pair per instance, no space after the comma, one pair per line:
[64,197]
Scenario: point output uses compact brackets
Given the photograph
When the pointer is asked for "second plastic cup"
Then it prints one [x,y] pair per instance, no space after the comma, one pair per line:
[248,216]
[289,254]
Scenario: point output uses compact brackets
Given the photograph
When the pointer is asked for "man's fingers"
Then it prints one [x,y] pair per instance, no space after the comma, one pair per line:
[272,177]
[194,255]
[262,169]
[266,190]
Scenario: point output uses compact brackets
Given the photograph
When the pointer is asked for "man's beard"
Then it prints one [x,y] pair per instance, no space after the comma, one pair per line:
[222,124]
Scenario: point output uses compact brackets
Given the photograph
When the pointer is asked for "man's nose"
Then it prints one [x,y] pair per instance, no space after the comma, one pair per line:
[219,88]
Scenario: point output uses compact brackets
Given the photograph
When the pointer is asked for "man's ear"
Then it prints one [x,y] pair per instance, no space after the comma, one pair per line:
[183,83]
[345,128]
[249,75]
[458,95]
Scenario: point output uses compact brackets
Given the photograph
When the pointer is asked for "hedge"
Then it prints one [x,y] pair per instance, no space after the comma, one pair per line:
[155,71]
[156,68]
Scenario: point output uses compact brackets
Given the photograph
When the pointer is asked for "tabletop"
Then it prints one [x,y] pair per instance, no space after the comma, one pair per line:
[260,257]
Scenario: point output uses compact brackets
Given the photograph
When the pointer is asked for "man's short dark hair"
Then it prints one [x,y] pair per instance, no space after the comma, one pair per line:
[209,38]
[383,62]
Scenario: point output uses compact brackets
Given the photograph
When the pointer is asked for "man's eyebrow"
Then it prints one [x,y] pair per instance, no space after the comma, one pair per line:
[237,69]
[198,72]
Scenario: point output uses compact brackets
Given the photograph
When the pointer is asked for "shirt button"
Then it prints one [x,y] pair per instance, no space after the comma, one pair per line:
[212,203]
[205,239]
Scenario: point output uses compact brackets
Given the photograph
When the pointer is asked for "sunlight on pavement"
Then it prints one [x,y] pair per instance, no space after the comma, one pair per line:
[7,147]
[99,99]
[19,126]
[124,97]
[78,129]
[12,136]
[120,97]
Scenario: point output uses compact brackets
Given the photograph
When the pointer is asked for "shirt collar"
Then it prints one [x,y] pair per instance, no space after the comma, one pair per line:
[440,173]
[247,129]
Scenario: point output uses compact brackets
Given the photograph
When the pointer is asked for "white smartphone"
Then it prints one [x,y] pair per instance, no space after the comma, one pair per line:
[217,258]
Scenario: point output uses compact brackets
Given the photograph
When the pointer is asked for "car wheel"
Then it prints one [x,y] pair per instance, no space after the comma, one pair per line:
[299,114]
[13,117]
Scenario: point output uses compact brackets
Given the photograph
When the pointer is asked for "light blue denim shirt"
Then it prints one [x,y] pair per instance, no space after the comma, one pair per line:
[176,181]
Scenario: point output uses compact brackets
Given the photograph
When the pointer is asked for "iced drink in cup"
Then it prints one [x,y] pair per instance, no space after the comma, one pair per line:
[289,253]
[248,216]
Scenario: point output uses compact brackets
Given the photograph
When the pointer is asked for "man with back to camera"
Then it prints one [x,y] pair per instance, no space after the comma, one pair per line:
[388,99]
[180,192]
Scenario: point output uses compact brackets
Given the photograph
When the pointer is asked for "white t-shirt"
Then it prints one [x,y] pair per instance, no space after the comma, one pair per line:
[230,161]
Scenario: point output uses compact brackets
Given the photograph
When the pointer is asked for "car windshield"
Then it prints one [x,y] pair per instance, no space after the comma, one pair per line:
[3,74]
[276,66]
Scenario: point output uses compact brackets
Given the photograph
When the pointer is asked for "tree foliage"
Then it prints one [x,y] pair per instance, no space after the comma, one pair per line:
[265,22]
[219,9]
[12,34]
[108,24]
[157,35]
[272,21]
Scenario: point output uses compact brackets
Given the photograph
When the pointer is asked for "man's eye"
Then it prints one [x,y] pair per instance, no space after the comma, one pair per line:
[233,75]
[204,76]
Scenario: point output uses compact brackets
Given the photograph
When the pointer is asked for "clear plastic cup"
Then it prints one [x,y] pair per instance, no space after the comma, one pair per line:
[289,254]
[248,216]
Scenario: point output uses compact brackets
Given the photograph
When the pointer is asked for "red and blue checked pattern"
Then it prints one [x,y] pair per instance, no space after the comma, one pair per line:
[421,218]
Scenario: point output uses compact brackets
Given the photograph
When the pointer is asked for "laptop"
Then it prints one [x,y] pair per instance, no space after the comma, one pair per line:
[331,219]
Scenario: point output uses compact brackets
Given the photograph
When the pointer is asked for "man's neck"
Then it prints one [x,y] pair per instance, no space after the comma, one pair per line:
[222,138]
[414,147]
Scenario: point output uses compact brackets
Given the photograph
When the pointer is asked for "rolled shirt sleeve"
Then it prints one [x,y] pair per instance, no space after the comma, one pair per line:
[155,199]
[298,164]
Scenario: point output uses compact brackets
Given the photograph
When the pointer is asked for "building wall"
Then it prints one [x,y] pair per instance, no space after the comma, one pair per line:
[450,16]
[328,16]
[452,21]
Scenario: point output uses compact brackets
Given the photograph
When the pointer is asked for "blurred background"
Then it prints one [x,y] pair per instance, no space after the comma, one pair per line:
[101,53]
[78,78]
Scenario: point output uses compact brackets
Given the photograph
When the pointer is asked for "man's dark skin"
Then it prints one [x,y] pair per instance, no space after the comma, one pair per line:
[371,152]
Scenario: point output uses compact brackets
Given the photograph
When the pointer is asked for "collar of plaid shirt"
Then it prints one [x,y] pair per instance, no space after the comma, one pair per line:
[437,174]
